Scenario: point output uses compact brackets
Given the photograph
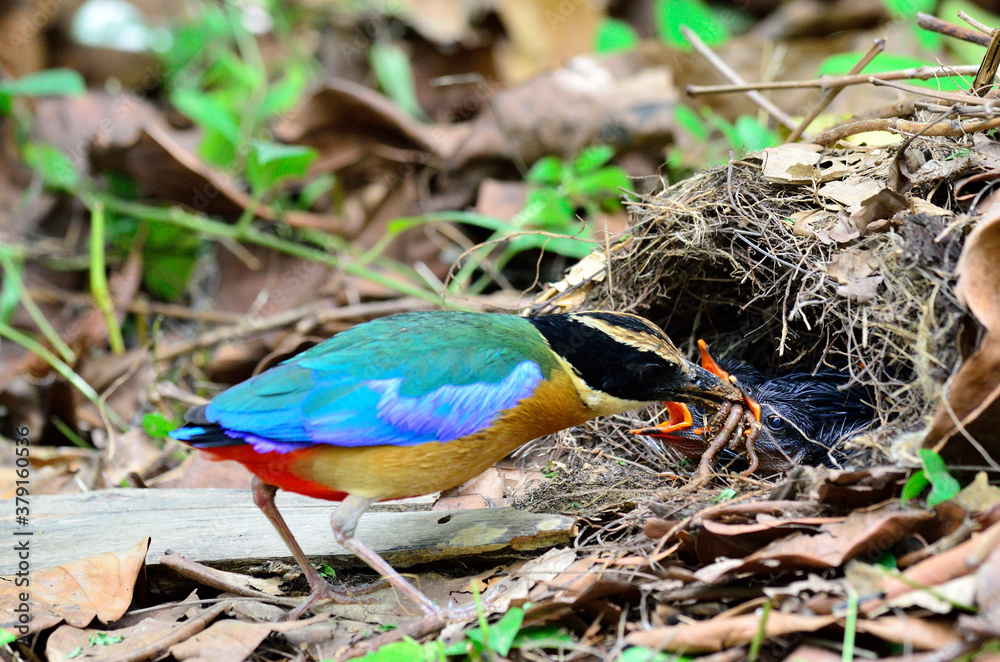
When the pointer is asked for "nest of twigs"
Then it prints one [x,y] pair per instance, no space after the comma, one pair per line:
[725,256]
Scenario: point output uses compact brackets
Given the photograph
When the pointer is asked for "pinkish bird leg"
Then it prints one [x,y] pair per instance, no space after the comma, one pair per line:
[263,498]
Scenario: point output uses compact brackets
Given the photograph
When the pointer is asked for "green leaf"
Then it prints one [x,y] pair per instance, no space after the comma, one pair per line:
[887,560]
[944,485]
[51,82]
[915,486]
[577,247]
[752,136]
[208,112]
[695,14]
[282,96]
[591,158]
[53,165]
[7,637]
[316,188]
[725,495]
[325,570]
[157,425]
[406,650]
[547,209]
[605,183]
[690,121]
[504,632]
[10,295]
[104,639]
[76,652]
[269,163]
[166,276]
[614,36]
[394,73]
[640,654]
[547,170]
[906,9]
[841,63]
[543,636]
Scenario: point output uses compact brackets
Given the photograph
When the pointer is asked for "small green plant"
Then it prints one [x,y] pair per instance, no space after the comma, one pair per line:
[716,137]
[325,570]
[695,14]
[944,486]
[47,83]
[558,188]
[480,643]
[104,639]
[641,654]
[727,494]
[157,425]
[615,36]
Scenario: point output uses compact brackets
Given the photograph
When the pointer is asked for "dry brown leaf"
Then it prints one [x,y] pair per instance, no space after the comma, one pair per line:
[910,631]
[98,586]
[883,205]
[722,633]
[851,192]
[861,532]
[226,641]
[971,410]
[800,163]
[849,266]
[63,643]
[978,269]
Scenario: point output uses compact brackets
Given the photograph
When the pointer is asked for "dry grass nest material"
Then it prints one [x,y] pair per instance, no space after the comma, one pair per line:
[770,273]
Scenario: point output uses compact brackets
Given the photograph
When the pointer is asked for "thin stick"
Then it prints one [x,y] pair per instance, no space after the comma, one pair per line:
[953,97]
[826,82]
[734,77]
[904,127]
[976,24]
[832,92]
[935,24]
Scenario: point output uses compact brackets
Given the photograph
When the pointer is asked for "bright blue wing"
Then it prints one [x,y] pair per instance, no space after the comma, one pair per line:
[351,392]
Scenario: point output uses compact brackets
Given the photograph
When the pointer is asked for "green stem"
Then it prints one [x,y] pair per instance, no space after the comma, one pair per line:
[10,271]
[59,366]
[251,235]
[850,625]
[760,636]
[99,278]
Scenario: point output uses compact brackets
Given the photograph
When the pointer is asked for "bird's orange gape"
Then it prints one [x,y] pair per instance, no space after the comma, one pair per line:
[737,424]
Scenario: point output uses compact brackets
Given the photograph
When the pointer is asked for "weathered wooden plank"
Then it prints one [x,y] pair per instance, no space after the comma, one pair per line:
[224,528]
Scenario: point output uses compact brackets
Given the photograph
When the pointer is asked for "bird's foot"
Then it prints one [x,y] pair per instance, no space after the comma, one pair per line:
[341,596]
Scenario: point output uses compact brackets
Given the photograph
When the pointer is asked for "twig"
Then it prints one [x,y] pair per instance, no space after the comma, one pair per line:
[988,69]
[734,77]
[935,24]
[976,24]
[158,647]
[223,581]
[827,82]
[905,127]
[953,97]
[832,92]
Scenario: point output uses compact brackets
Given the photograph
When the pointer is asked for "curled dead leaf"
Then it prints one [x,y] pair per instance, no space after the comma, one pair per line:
[99,586]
